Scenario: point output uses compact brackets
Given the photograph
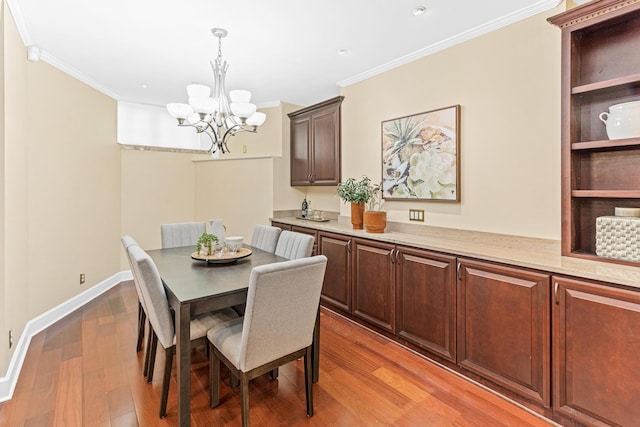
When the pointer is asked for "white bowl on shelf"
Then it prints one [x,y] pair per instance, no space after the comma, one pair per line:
[622,120]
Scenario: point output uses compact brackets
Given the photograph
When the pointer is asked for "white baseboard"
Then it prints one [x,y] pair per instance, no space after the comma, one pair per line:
[33,326]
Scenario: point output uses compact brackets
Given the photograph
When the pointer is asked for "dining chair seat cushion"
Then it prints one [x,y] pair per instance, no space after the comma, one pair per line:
[181,234]
[294,245]
[201,324]
[265,237]
[227,336]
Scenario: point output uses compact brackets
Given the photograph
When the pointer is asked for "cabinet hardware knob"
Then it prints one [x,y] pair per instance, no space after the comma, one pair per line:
[458,271]
[555,292]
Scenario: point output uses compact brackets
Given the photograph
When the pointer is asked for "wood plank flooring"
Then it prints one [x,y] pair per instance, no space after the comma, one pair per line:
[84,371]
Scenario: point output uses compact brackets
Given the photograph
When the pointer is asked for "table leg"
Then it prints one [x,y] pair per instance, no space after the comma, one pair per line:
[315,348]
[183,359]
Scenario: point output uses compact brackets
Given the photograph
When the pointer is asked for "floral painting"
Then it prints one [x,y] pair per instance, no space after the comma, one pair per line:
[420,156]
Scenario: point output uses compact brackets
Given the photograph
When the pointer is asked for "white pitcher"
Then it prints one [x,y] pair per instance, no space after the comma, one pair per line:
[217,228]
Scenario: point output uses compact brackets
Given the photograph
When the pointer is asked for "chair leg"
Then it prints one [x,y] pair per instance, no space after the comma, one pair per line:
[152,356]
[142,317]
[308,383]
[273,374]
[147,351]
[244,398]
[233,380]
[168,362]
[214,378]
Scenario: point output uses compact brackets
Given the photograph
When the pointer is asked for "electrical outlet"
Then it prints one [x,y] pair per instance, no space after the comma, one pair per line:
[416,215]
[82,278]
[10,338]
[244,149]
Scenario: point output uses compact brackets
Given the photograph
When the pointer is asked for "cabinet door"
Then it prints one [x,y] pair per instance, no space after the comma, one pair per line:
[300,139]
[503,327]
[427,300]
[374,283]
[325,147]
[596,353]
[336,288]
[311,232]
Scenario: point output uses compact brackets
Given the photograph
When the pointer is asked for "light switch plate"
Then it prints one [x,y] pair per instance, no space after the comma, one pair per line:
[416,215]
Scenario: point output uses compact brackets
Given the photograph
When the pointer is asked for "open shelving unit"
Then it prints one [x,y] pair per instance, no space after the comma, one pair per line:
[600,68]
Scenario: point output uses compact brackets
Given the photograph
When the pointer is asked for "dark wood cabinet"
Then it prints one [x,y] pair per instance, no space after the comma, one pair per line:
[315,144]
[596,348]
[600,68]
[426,301]
[373,288]
[311,232]
[336,288]
[504,327]
[281,225]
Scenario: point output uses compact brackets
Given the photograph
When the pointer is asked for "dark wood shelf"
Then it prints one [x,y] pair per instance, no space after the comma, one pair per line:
[607,144]
[606,194]
[632,79]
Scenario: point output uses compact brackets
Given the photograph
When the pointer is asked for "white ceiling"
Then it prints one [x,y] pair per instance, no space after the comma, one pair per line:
[281,50]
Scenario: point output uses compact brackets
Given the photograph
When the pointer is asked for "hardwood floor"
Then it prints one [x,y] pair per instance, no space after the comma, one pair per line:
[84,371]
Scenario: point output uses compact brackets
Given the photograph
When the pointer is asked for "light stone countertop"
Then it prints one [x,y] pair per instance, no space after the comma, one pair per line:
[539,254]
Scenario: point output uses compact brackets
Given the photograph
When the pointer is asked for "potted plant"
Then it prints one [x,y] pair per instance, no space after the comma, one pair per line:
[206,242]
[361,193]
[374,219]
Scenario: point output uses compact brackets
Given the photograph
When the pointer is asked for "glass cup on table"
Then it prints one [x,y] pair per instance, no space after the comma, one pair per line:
[218,249]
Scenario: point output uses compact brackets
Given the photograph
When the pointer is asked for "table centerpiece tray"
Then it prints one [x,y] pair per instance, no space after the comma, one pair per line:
[225,258]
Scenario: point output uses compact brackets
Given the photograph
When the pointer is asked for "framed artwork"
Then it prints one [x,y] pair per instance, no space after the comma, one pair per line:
[421,155]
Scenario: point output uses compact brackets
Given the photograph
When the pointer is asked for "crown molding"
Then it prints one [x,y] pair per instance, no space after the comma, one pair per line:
[18,18]
[538,7]
[64,67]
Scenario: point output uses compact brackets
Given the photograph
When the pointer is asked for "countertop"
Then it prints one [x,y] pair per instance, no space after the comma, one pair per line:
[539,254]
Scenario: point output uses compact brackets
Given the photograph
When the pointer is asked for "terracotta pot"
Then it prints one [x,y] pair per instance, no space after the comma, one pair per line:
[375,221]
[357,210]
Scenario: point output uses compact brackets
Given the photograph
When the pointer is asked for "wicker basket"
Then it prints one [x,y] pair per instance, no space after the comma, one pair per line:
[618,237]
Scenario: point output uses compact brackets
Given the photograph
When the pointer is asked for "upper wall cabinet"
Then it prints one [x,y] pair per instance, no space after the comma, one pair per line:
[600,70]
[315,144]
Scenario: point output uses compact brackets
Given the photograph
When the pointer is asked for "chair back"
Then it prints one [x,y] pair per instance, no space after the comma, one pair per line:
[153,291]
[181,234]
[265,237]
[293,245]
[127,242]
[282,305]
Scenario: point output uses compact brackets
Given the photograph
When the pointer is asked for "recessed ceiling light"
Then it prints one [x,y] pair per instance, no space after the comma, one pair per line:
[419,10]
[144,85]
[342,52]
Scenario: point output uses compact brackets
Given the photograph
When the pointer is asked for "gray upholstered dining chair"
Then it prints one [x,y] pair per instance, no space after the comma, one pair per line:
[282,303]
[265,237]
[181,234]
[293,245]
[161,317]
[128,241]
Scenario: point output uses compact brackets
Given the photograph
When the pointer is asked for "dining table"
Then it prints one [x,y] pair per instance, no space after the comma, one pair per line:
[195,286]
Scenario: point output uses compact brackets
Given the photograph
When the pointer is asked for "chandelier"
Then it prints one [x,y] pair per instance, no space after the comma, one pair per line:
[214,115]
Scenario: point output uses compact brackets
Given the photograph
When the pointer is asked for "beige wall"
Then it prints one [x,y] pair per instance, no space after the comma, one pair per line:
[239,192]
[507,83]
[3,83]
[157,188]
[16,236]
[62,186]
